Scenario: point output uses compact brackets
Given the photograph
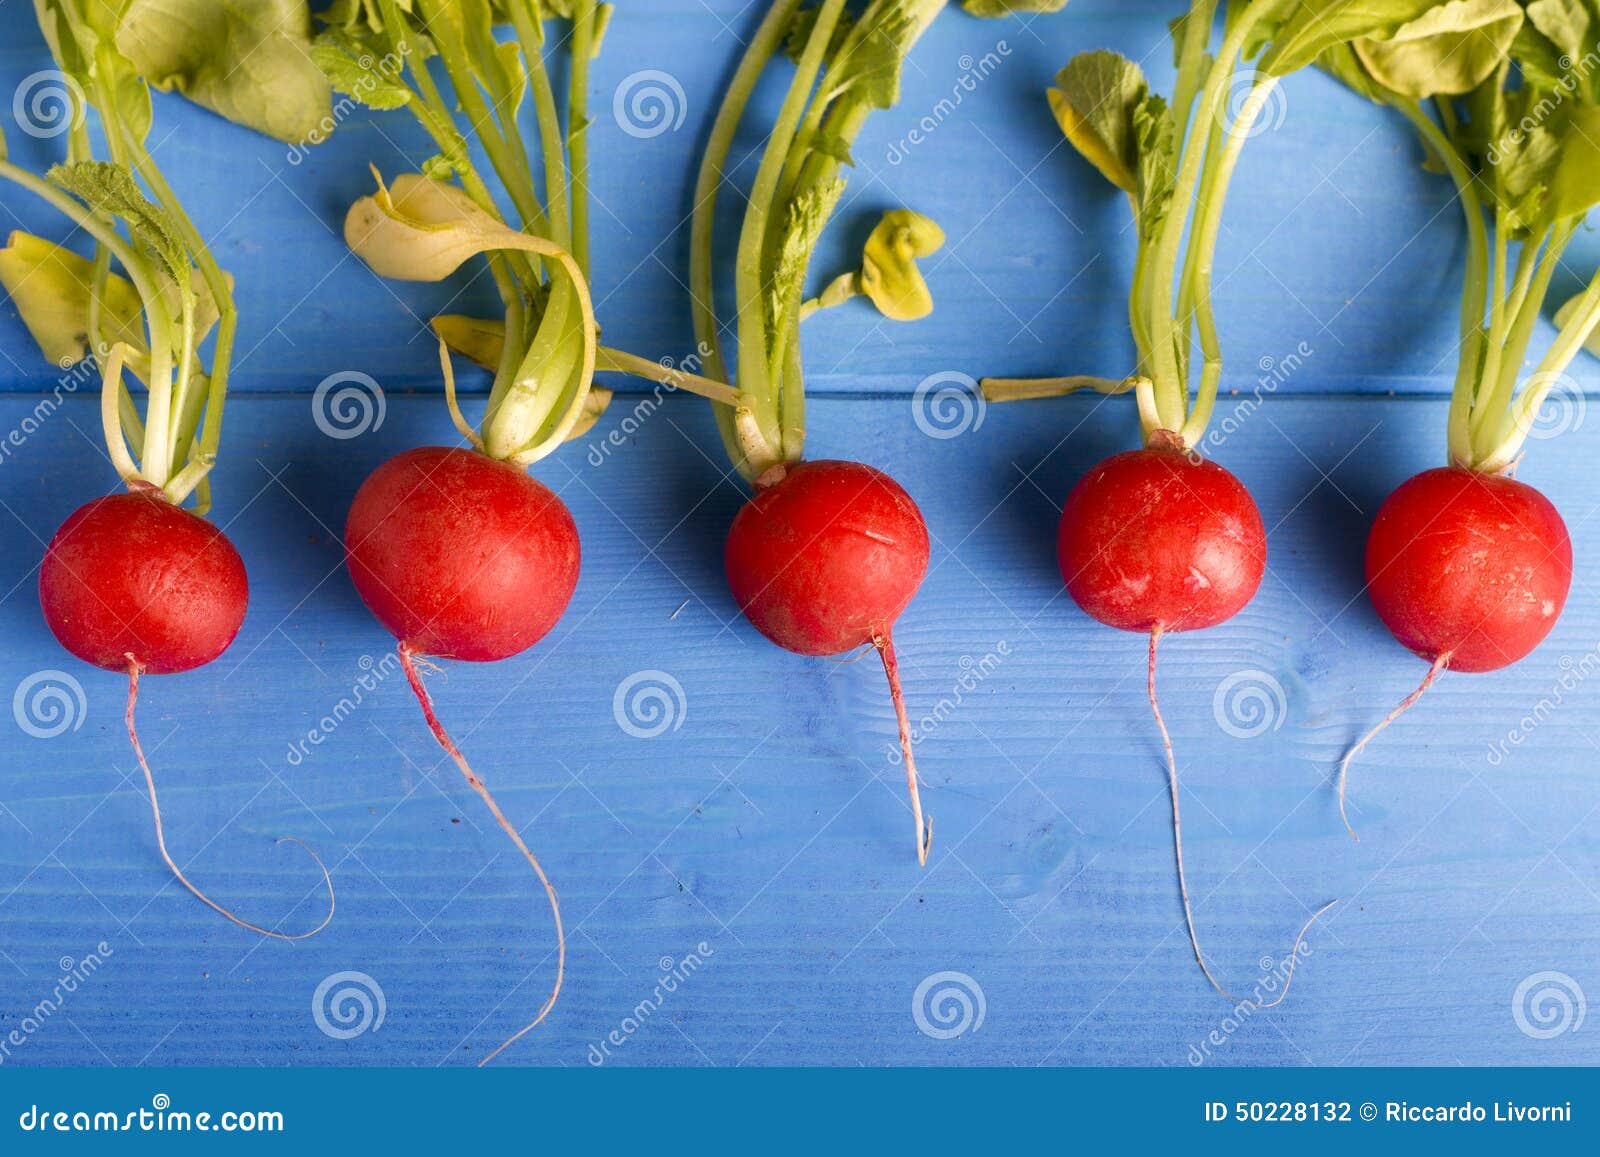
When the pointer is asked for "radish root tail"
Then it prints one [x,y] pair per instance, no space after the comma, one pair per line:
[1406,704]
[161,837]
[1177,843]
[409,661]
[891,668]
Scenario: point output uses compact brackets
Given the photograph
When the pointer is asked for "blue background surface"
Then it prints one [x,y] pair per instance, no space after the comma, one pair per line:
[768,823]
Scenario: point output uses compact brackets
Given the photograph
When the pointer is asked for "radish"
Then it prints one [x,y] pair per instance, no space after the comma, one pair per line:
[1468,567]
[1158,540]
[134,583]
[456,550]
[827,554]
[1191,557]
[461,556]
[822,560]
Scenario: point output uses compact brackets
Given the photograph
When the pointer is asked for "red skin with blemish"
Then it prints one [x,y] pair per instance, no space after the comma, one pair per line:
[1469,565]
[132,574]
[825,560]
[1155,538]
[459,555]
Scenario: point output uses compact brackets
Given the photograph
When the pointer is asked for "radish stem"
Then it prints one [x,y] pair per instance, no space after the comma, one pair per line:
[626,363]
[1019,389]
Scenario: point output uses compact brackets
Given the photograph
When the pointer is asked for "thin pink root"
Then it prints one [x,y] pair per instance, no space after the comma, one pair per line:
[1406,704]
[1177,843]
[161,838]
[891,668]
[409,660]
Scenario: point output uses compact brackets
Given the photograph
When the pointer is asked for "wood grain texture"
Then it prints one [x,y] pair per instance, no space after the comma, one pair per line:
[768,823]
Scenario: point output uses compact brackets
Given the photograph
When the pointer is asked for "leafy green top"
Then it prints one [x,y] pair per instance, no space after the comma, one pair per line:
[847,63]
[377,51]
[74,306]
[1175,158]
[1504,97]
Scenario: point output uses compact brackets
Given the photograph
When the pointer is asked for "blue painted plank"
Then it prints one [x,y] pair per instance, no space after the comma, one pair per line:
[767,822]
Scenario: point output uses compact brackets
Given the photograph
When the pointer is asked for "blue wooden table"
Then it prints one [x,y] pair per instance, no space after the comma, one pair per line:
[754,839]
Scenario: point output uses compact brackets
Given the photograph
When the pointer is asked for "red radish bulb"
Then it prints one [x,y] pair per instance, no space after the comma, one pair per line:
[1469,571]
[824,560]
[1468,568]
[463,556]
[133,583]
[133,577]
[1157,540]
